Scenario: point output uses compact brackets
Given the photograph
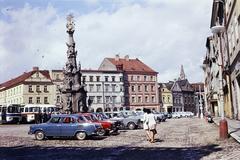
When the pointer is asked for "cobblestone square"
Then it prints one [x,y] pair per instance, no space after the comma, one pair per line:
[186,138]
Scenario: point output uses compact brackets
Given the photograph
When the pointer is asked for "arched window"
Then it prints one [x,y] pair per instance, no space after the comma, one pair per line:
[99,110]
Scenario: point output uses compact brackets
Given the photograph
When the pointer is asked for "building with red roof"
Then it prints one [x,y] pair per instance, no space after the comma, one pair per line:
[34,87]
[140,82]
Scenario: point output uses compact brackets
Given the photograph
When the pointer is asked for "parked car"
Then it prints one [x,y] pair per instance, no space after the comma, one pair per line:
[116,124]
[130,122]
[161,117]
[176,115]
[65,125]
[107,126]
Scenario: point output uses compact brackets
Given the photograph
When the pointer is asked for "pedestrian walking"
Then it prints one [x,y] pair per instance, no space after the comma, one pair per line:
[152,126]
[145,124]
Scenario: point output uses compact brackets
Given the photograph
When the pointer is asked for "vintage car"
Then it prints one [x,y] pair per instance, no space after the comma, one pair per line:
[65,125]
[107,126]
[116,124]
[130,122]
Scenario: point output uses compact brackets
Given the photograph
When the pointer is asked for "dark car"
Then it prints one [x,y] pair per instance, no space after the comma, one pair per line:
[65,125]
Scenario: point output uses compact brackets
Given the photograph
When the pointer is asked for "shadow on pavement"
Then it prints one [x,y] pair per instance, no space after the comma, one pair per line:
[93,153]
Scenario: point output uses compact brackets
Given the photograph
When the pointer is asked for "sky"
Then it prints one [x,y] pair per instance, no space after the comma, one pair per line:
[164,34]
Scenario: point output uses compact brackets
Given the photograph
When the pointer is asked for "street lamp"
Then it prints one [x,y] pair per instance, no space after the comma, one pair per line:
[223,126]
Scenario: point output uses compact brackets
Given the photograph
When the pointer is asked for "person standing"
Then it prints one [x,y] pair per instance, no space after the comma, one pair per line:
[152,126]
[145,124]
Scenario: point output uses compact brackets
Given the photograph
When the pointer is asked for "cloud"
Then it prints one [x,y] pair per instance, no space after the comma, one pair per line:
[163,34]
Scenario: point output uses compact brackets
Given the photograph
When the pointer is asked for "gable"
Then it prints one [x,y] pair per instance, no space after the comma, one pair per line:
[38,77]
[107,65]
[176,87]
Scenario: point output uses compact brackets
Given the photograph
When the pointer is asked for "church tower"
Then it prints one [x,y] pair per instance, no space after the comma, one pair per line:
[182,74]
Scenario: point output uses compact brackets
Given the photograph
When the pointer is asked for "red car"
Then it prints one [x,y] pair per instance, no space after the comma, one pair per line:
[107,126]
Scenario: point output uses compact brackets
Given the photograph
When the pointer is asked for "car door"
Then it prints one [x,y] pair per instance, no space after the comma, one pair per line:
[69,126]
[53,127]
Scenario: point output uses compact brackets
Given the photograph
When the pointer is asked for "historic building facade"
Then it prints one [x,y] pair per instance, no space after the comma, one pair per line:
[105,89]
[233,32]
[183,95]
[223,51]
[34,87]
[165,96]
[140,82]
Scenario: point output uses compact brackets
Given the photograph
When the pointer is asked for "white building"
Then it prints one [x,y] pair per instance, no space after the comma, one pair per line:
[104,89]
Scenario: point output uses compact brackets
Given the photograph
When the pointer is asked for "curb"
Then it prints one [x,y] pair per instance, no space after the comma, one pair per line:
[233,135]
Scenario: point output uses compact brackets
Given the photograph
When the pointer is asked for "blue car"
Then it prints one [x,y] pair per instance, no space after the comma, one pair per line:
[65,125]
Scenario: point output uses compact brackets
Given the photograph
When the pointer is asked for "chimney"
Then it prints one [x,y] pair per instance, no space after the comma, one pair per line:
[126,57]
[117,57]
[35,68]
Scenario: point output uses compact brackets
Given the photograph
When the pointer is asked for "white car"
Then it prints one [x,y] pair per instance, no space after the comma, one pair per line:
[176,115]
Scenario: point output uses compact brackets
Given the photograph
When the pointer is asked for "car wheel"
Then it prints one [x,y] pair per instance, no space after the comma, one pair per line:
[101,132]
[131,125]
[81,135]
[39,135]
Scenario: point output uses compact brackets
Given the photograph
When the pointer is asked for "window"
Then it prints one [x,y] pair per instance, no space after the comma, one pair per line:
[152,88]
[45,89]
[91,87]
[114,98]
[132,78]
[114,88]
[146,99]
[133,88]
[30,88]
[145,78]
[98,87]
[153,99]
[113,78]
[84,78]
[68,120]
[45,100]
[91,78]
[58,99]
[55,120]
[91,98]
[30,100]
[38,88]
[106,87]
[168,99]
[151,78]
[106,78]
[107,99]
[146,88]
[139,88]
[133,99]
[38,100]
[98,78]
[99,99]
[163,98]
[57,77]
[120,79]
[138,78]
[139,99]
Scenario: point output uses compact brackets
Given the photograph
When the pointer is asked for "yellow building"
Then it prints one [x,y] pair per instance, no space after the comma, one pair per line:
[34,87]
[165,98]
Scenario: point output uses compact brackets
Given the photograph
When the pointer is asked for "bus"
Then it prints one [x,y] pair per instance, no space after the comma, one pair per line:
[30,111]
[10,113]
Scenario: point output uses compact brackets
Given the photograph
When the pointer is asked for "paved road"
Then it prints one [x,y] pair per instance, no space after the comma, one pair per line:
[177,139]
